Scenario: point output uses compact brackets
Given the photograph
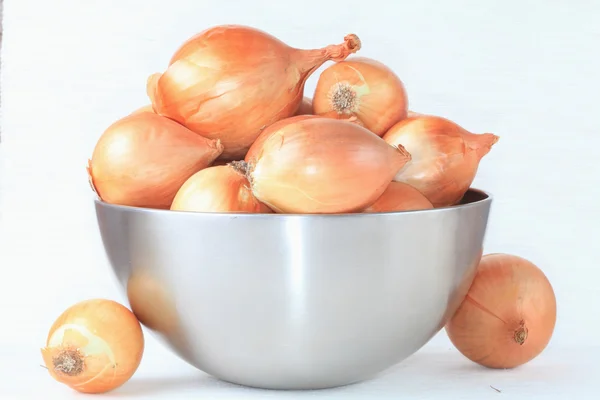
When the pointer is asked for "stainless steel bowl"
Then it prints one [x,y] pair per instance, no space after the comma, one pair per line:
[295,301]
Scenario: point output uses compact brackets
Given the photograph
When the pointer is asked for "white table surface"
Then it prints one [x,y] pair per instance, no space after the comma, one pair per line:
[434,372]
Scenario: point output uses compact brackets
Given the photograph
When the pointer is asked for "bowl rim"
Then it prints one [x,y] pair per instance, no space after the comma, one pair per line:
[486,198]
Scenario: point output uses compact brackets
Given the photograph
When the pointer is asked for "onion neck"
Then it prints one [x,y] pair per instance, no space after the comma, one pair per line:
[477,140]
[308,61]
[481,143]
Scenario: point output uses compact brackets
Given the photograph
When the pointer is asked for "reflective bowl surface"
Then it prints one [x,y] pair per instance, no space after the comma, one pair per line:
[295,301]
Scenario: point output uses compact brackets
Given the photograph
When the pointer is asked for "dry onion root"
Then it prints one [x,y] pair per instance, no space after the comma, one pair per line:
[229,82]
[364,88]
[445,156]
[143,159]
[222,188]
[400,197]
[94,346]
[310,164]
[508,316]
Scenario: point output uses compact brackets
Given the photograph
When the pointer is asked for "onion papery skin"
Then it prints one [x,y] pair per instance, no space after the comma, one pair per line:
[143,159]
[445,156]
[316,165]
[508,316]
[218,189]
[229,82]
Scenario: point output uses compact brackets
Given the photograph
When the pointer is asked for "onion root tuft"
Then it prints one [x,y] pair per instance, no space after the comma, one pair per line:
[69,362]
[344,99]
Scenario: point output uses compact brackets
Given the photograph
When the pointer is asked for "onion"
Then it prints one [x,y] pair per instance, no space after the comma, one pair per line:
[94,346]
[229,82]
[508,316]
[306,107]
[257,146]
[365,88]
[218,189]
[310,164]
[399,197]
[143,159]
[445,157]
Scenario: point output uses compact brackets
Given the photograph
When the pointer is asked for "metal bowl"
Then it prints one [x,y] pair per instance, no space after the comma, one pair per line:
[295,301]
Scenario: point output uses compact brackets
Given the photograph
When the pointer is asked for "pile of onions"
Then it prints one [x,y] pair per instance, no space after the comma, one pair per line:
[222,188]
[94,346]
[508,316]
[233,93]
[311,164]
[445,156]
[399,197]
[229,82]
[365,88]
[143,159]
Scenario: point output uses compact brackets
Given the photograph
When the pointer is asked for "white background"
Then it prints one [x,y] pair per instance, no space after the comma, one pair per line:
[527,71]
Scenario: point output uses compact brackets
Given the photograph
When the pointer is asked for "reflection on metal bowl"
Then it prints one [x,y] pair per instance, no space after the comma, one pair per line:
[295,301]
